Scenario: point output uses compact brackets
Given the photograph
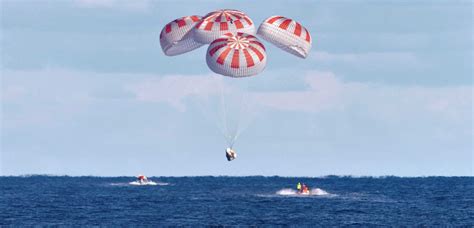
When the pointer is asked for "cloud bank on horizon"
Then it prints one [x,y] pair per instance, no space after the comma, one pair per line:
[388,92]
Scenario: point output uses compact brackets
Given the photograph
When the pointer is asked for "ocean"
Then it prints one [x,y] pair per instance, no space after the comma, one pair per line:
[255,200]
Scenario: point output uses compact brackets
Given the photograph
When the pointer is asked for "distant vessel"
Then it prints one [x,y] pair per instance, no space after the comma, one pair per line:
[142,180]
[143,183]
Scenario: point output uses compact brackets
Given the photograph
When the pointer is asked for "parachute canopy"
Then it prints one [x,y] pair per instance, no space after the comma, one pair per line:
[220,22]
[238,55]
[234,50]
[287,34]
[176,37]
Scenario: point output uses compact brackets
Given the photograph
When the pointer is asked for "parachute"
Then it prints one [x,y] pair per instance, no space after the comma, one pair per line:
[234,51]
[176,37]
[220,22]
[235,55]
[239,55]
[287,34]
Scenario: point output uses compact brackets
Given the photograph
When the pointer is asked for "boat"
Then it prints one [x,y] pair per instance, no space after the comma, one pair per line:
[143,183]
[142,180]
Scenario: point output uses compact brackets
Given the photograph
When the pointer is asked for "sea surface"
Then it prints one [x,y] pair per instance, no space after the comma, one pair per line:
[335,201]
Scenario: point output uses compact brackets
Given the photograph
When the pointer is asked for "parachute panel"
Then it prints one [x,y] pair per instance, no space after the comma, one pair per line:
[177,38]
[239,55]
[287,34]
[220,22]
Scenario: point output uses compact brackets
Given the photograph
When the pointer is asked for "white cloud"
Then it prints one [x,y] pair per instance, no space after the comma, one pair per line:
[174,89]
[74,91]
[389,119]
[135,5]
[13,92]
[324,92]
[371,59]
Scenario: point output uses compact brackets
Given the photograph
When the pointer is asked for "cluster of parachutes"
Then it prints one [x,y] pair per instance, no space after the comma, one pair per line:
[234,50]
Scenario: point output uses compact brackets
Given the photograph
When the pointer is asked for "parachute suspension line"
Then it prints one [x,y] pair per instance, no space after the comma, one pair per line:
[224,116]
[242,110]
[230,117]
[242,105]
[232,112]
[238,128]
[204,103]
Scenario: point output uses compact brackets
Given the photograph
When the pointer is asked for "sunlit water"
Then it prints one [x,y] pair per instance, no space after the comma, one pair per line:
[46,200]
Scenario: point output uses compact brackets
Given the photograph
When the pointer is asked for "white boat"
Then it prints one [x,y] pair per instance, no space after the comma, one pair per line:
[143,183]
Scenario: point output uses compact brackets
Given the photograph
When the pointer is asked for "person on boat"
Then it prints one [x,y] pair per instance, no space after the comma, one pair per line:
[302,188]
[230,154]
[298,187]
[305,189]
[142,179]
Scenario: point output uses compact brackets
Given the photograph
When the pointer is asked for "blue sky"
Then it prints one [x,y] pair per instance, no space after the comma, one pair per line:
[386,90]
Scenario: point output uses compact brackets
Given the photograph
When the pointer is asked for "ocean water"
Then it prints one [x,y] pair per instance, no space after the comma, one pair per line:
[335,201]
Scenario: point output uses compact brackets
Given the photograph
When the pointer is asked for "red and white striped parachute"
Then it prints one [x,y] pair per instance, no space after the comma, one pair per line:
[218,23]
[286,34]
[233,51]
[238,55]
[176,37]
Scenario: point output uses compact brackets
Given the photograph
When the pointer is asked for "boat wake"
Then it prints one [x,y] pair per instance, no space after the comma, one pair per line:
[148,183]
[313,192]
[143,183]
[137,183]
